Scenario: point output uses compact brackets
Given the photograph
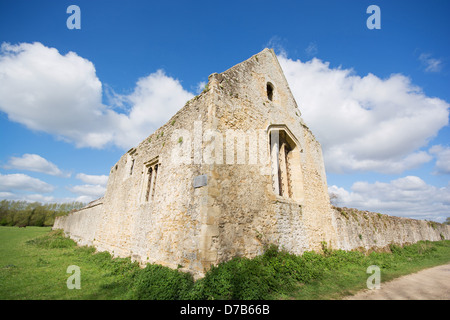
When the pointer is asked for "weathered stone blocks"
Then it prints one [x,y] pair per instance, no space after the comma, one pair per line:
[232,171]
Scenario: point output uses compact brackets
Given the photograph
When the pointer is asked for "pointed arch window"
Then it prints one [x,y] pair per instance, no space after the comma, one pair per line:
[287,177]
[150,179]
[269,89]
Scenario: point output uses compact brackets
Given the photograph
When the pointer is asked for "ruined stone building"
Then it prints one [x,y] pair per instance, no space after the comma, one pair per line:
[233,170]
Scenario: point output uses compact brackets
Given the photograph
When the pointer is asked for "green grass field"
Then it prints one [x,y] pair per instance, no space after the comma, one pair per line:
[34,262]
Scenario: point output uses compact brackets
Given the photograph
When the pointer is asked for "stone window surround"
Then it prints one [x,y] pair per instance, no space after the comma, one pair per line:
[150,175]
[270,90]
[286,169]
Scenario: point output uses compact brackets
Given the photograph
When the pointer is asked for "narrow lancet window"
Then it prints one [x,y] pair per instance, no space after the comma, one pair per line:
[131,167]
[150,177]
[154,181]
[269,91]
[287,177]
[149,183]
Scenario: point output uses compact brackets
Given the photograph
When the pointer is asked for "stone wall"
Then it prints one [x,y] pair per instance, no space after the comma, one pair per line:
[166,228]
[242,213]
[82,225]
[166,218]
[366,230]
[238,211]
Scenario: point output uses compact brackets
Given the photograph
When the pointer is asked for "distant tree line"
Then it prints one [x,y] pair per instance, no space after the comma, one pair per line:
[23,213]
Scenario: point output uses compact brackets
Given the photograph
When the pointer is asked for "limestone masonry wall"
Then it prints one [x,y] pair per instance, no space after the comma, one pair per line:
[81,225]
[366,230]
[232,171]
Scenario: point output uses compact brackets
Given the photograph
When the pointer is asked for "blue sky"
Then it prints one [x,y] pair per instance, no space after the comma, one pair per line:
[73,101]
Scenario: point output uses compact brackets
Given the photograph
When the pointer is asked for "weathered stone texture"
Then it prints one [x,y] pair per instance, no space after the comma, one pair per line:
[234,170]
[81,225]
[370,231]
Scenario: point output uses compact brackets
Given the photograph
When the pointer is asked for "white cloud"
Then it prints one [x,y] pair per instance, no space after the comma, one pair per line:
[34,162]
[155,99]
[61,95]
[7,195]
[94,191]
[101,180]
[277,44]
[430,64]
[200,87]
[365,123]
[35,197]
[49,92]
[409,196]
[312,49]
[83,199]
[442,155]
[22,182]
[94,188]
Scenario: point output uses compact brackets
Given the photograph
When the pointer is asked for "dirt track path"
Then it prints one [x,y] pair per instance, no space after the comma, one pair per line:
[428,284]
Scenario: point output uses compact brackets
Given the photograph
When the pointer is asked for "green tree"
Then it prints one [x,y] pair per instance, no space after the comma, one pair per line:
[14,213]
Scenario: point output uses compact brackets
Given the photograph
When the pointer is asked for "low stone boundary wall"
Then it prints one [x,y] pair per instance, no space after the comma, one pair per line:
[81,225]
[356,230]
[366,230]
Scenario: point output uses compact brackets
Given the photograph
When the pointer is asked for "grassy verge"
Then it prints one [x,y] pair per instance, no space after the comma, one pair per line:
[34,261]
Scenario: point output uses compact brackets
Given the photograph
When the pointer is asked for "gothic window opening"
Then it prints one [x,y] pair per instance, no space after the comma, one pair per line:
[151,173]
[287,178]
[131,154]
[149,183]
[131,167]
[270,91]
[155,173]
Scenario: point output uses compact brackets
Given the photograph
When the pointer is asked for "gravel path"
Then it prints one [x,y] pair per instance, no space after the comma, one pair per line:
[428,284]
